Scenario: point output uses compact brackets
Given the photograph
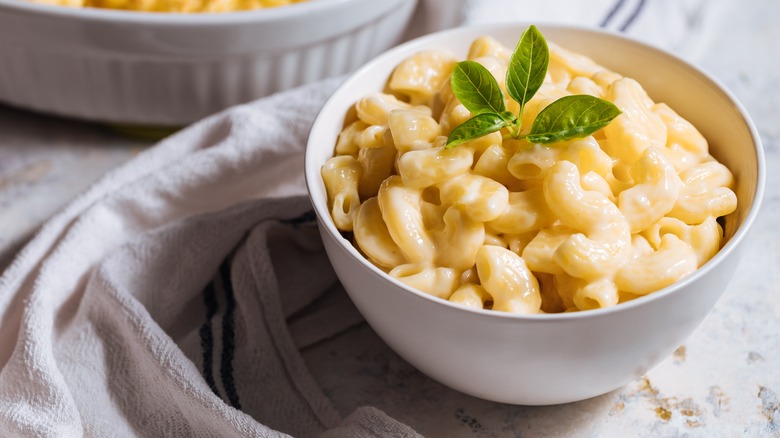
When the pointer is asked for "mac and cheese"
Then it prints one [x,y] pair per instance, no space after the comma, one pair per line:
[180,6]
[509,225]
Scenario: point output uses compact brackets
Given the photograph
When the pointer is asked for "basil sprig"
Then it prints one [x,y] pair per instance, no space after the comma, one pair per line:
[527,66]
[567,118]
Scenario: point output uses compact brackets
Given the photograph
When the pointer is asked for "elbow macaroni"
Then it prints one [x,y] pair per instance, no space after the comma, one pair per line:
[200,6]
[513,226]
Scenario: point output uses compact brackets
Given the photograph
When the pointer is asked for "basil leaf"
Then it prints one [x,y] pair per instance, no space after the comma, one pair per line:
[475,127]
[527,67]
[509,117]
[476,88]
[572,117]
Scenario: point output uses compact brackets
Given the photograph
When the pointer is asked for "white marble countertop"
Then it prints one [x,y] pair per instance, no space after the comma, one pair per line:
[724,381]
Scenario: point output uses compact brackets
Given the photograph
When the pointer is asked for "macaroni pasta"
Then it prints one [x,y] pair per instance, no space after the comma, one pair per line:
[509,225]
[177,6]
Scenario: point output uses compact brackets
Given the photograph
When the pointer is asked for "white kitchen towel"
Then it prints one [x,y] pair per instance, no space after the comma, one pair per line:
[172,297]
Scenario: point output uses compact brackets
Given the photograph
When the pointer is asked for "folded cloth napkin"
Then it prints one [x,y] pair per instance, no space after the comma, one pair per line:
[172,297]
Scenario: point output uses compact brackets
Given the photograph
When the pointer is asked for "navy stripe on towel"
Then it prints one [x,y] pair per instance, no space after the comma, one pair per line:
[612,12]
[633,16]
[228,338]
[207,336]
[305,218]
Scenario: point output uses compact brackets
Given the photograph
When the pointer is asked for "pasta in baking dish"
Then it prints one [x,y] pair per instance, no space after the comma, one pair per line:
[506,224]
[180,6]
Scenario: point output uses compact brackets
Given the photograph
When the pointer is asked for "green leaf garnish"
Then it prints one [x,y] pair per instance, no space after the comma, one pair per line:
[527,67]
[571,117]
[566,118]
[509,117]
[477,89]
[475,127]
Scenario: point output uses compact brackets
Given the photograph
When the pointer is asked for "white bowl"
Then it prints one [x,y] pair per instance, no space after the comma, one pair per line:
[172,69]
[553,358]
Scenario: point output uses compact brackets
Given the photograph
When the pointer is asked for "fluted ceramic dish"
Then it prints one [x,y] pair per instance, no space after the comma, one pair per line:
[165,69]
[553,358]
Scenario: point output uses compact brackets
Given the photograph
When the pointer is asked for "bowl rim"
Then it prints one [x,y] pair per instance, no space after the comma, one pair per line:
[312,175]
[254,16]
